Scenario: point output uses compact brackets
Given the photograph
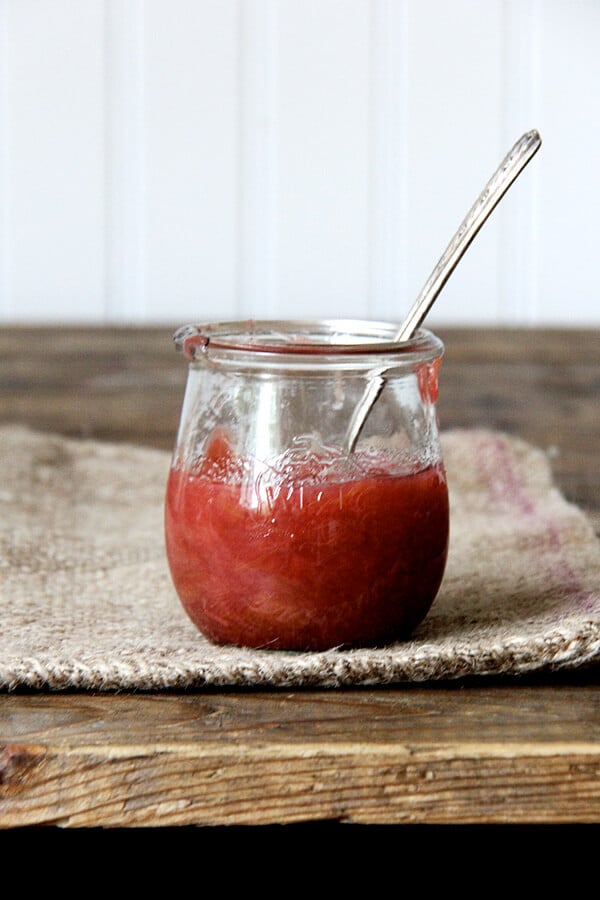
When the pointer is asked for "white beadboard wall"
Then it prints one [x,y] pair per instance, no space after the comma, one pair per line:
[186,160]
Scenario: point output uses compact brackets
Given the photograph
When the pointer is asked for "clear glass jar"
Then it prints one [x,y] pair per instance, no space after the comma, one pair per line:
[278,534]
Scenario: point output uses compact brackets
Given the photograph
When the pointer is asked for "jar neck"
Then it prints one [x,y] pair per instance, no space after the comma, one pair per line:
[327,345]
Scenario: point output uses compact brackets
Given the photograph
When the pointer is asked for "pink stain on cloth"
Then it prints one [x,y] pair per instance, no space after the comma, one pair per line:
[508,489]
[86,601]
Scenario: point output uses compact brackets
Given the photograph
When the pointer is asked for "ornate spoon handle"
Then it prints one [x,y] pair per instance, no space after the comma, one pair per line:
[511,166]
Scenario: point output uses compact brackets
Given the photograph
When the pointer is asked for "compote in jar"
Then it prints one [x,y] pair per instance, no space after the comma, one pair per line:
[279,535]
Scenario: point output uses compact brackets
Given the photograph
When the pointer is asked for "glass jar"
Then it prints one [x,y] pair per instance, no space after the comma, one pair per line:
[280,534]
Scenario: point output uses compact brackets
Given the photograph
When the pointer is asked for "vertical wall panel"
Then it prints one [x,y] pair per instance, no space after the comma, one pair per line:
[125,169]
[323,156]
[54,159]
[517,219]
[4,173]
[454,132]
[569,203]
[191,109]
[258,223]
[388,237]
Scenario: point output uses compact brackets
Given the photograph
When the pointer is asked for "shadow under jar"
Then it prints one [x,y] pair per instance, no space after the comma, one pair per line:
[279,537]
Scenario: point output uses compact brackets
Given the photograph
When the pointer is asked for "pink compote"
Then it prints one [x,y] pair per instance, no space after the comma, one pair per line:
[315,554]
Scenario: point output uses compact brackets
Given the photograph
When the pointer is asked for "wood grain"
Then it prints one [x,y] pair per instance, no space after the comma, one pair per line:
[367,757]
[520,751]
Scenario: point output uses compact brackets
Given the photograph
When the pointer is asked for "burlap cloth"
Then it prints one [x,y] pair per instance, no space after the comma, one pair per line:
[87,602]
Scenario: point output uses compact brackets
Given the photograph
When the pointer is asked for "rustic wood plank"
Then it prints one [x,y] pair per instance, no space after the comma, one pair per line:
[126,384]
[499,377]
[105,383]
[556,713]
[418,755]
[188,786]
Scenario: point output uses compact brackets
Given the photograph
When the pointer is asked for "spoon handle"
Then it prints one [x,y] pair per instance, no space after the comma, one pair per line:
[508,170]
[510,167]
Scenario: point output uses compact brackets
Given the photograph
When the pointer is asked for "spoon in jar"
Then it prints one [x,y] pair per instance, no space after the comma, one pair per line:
[511,166]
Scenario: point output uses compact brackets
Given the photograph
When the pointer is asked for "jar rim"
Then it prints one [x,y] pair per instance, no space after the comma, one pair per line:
[306,337]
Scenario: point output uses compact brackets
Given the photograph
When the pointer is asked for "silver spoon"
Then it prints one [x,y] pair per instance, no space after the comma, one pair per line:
[511,166]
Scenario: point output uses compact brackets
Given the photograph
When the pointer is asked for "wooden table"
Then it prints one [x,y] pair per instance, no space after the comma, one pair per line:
[513,751]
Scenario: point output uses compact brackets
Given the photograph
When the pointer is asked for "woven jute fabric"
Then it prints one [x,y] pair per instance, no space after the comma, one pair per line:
[87,602]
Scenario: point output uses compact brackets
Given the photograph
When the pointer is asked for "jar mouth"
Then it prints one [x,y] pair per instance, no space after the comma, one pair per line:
[306,337]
